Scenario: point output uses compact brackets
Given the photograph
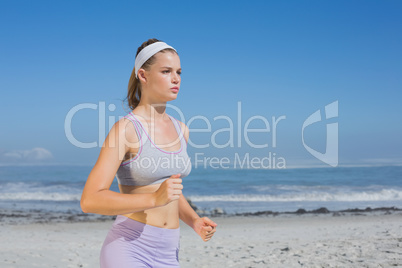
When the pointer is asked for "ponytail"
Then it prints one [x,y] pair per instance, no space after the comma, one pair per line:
[134,91]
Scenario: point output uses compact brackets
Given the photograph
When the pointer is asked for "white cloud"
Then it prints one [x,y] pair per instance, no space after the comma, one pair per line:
[34,155]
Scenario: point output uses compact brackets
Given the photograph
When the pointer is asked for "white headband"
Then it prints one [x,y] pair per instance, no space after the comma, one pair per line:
[148,52]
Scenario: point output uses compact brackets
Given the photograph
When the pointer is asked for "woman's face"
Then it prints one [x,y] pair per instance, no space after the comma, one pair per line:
[163,78]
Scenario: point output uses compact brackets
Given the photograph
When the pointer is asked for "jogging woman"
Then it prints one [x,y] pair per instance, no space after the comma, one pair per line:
[146,151]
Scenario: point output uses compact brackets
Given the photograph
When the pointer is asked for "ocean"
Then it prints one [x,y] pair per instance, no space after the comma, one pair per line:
[57,189]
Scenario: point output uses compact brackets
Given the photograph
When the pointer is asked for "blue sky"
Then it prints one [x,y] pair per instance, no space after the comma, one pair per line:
[275,58]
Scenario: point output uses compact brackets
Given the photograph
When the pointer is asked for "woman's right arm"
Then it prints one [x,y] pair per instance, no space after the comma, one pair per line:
[96,196]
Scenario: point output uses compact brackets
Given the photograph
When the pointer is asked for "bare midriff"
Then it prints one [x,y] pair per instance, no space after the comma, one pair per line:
[166,216]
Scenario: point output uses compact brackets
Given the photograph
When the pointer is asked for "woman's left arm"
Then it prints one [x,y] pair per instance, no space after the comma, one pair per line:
[204,226]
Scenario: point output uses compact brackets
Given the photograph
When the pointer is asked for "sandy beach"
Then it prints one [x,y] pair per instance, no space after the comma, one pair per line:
[353,240]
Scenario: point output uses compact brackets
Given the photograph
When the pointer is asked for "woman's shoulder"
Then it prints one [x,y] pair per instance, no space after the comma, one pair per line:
[125,120]
[126,128]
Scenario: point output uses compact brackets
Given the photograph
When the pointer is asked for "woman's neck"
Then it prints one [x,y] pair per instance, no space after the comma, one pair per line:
[153,111]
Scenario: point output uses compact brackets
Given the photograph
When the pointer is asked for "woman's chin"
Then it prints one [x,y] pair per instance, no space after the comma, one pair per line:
[172,97]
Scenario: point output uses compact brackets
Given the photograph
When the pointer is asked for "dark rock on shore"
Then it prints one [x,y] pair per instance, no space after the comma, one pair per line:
[368,209]
[320,210]
[215,212]
[301,211]
[218,211]
[258,213]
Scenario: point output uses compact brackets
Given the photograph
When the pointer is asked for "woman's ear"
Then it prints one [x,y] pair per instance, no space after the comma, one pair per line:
[141,75]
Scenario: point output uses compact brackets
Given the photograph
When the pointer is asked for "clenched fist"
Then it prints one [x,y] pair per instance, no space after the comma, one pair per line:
[168,191]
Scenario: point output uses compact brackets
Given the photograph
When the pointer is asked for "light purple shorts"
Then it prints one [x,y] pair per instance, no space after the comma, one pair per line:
[131,243]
